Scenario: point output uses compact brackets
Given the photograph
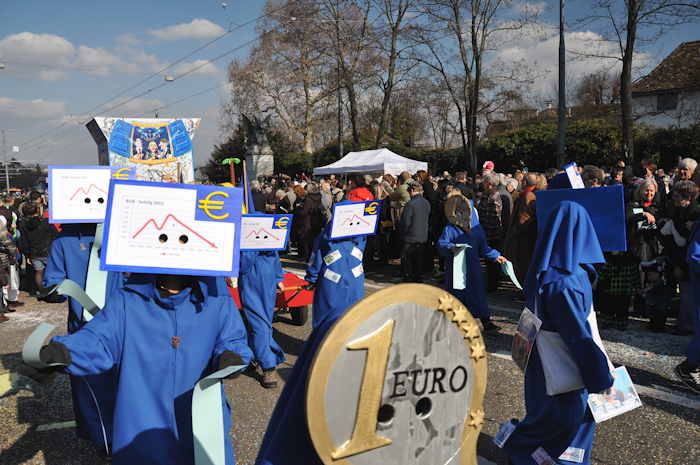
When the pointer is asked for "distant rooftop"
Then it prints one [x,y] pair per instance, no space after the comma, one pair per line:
[679,70]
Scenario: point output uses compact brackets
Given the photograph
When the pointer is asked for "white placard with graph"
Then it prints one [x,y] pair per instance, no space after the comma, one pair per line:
[355,218]
[78,194]
[265,232]
[175,229]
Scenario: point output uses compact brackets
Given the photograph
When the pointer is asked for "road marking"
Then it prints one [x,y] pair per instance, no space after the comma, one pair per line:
[61,425]
[660,394]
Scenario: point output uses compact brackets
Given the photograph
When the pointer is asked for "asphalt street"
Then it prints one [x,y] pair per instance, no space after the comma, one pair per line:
[36,412]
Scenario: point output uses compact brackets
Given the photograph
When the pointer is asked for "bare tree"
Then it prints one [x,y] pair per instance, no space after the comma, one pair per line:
[597,88]
[629,24]
[453,41]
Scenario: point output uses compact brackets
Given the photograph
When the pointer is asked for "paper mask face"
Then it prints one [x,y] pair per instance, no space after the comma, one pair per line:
[78,194]
[355,219]
[265,232]
[172,229]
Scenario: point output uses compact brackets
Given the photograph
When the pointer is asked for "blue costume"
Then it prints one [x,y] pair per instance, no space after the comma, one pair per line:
[693,260]
[287,440]
[336,268]
[159,350]
[68,259]
[259,273]
[473,296]
[558,286]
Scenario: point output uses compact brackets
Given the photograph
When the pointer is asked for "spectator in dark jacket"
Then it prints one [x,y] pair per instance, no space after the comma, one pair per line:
[313,220]
[414,229]
[490,211]
[36,235]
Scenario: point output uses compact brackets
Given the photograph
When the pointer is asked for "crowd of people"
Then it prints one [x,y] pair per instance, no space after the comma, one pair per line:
[431,226]
[649,280]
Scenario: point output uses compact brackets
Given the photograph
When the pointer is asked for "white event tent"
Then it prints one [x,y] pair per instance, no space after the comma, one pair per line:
[372,161]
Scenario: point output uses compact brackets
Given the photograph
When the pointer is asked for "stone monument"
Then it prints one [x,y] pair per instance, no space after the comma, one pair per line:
[259,159]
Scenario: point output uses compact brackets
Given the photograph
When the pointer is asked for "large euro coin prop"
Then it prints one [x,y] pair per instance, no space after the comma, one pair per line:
[399,379]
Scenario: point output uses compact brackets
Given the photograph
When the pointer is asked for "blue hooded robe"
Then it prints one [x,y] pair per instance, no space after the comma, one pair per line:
[336,268]
[558,285]
[693,259]
[260,273]
[473,296]
[287,440]
[160,350]
[68,259]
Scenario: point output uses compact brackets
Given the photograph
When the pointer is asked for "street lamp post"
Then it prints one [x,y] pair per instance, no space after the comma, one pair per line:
[5,156]
[561,140]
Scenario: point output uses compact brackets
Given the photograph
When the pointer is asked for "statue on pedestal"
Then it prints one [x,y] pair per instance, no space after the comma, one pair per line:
[258,154]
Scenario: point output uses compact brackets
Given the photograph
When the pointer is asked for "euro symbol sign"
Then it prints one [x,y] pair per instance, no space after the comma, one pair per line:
[282,222]
[371,209]
[122,173]
[207,204]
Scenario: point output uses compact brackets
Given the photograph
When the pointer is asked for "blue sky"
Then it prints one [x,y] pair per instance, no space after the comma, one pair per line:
[63,58]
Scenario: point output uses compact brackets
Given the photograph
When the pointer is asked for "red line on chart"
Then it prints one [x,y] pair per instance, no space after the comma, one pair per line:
[162,225]
[259,231]
[352,218]
[86,192]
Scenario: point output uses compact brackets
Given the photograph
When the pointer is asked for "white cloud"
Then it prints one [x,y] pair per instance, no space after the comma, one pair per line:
[204,67]
[95,61]
[127,40]
[531,9]
[36,49]
[52,75]
[536,48]
[198,28]
[30,109]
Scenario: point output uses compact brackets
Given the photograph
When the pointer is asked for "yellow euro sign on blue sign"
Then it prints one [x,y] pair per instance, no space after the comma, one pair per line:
[208,204]
[371,208]
[123,173]
[282,222]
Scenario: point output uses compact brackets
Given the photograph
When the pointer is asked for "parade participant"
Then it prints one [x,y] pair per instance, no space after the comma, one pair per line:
[689,370]
[177,331]
[335,270]
[93,396]
[460,234]
[558,289]
[260,272]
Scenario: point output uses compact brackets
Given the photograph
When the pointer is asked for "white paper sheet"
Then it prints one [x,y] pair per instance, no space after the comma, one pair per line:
[264,232]
[78,194]
[354,219]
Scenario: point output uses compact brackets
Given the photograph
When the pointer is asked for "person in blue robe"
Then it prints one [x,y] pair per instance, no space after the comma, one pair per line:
[93,395]
[259,276]
[161,334]
[473,296]
[335,268]
[558,288]
[689,370]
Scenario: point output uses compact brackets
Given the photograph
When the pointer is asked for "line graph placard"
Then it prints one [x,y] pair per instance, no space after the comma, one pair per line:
[355,218]
[265,232]
[78,194]
[172,229]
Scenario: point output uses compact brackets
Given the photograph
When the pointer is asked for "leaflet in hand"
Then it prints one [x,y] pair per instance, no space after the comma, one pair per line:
[621,398]
[524,338]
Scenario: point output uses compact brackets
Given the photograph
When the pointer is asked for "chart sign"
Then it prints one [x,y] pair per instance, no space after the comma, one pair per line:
[172,229]
[574,176]
[78,194]
[399,379]
[265,232]
[355,218]
[156,150]
[605,206]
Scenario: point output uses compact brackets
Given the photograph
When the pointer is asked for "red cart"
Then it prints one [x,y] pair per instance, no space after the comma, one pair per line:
[294,298]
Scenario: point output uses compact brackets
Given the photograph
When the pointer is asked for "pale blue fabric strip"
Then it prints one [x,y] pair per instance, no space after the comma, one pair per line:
[207,418]
[96,283]
[72,289]
[33,345]
[459,267]
[509,271]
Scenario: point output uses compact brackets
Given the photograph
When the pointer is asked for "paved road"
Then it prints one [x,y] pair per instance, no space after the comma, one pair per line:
[35,418]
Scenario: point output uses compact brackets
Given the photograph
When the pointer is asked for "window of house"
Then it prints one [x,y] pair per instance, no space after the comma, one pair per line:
[667,102]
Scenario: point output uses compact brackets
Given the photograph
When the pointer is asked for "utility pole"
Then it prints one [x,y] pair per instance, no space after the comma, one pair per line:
[561,140]
[5,156]
[340,115]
